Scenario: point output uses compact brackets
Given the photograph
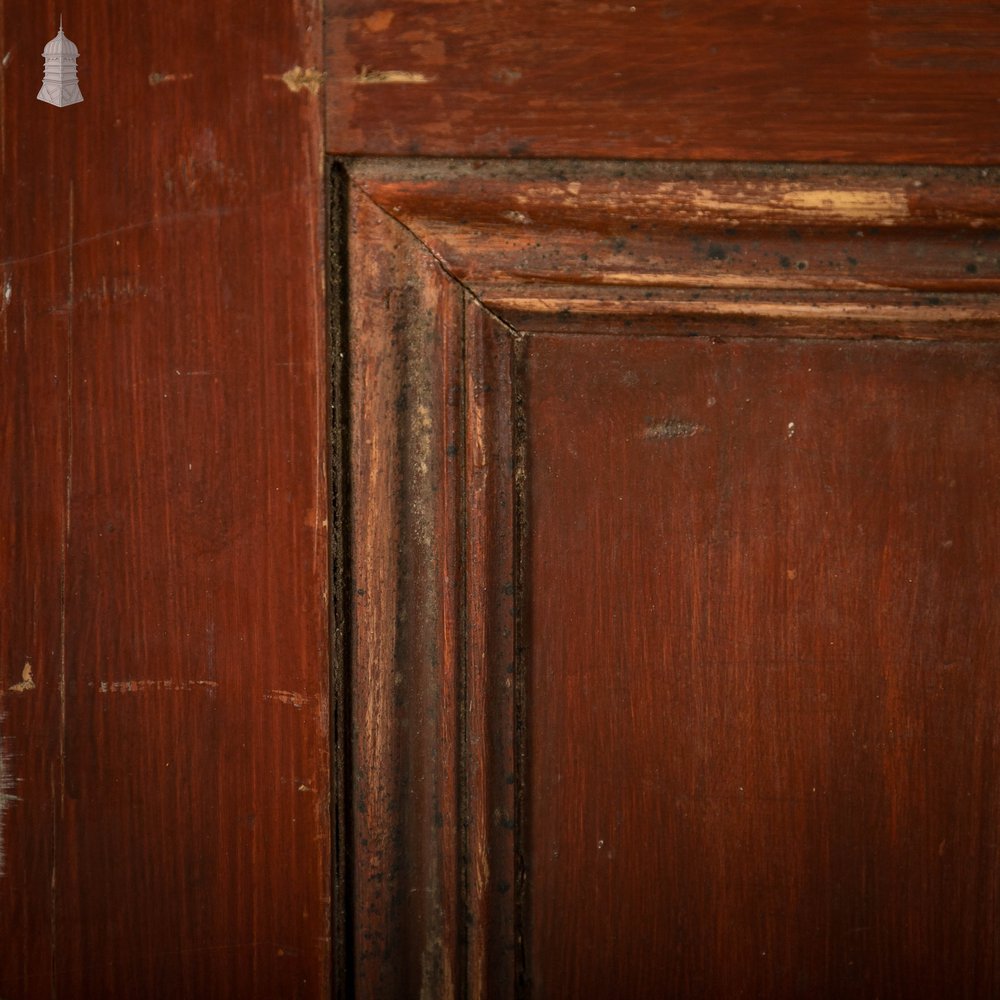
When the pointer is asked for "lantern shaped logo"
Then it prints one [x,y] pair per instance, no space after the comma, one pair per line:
[60,87]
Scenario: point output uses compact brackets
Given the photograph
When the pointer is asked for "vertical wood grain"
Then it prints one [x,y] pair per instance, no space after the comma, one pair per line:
[725,725]
[165,504]
[490,768]
[761,685]
[406,322]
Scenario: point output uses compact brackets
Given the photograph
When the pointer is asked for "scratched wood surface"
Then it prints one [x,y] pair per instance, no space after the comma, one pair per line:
[725,590]
[863,81]
[162,507]
[406,322]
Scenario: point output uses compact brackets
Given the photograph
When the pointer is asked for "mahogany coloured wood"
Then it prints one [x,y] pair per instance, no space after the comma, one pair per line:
[857,81]
[761,694]
[720,666]
[163,507]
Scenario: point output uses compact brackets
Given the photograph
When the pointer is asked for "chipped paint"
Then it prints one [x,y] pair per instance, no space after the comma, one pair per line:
[287,698]
[27,681]
[135,685]
[672,428]
[833,309]
[5,62]
[880,206]
[298,78]
[884,207]
[157,78]
[391,76]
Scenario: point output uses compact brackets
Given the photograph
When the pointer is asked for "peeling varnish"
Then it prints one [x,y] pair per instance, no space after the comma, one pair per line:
[883,207]
[287,698]
[886,207]
[299,78]
[751,201]
[133,686]
[650,279]
[791,310]
[27,681]
[519,217]
[155,79]
[368,75]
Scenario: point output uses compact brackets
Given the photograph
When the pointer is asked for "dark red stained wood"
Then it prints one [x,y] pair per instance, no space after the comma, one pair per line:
[737,551]
[406,320]
[725,227]
[164,558]
[493,635]
[857,81]
[730,249]
[761,685]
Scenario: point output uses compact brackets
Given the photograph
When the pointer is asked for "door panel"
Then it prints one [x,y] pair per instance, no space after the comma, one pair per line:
[760,680]
[707,689]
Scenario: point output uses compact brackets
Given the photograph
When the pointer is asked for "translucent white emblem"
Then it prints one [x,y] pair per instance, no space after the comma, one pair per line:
[60,86]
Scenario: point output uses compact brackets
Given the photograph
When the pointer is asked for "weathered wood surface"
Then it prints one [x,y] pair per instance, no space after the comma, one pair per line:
[875,251]
[875,81]
[716,666]
[162,507]
[406,321]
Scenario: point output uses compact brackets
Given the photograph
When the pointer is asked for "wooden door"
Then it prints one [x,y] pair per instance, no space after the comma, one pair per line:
[561,570]
[673,536]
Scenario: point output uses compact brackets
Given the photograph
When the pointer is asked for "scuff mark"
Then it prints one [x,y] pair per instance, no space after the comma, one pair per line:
[5,62]
[368,75]
[887,206]
[507,75]
[287,698]
[6,791]
[27,681]
[155,79]
[133,685]
[299,78]
[8,293]
[672,428]
[379,21]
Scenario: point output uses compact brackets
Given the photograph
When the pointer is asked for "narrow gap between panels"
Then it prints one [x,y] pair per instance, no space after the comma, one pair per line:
[339,517]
